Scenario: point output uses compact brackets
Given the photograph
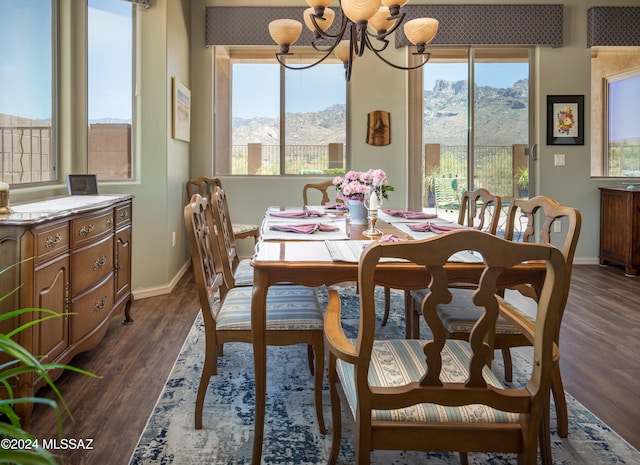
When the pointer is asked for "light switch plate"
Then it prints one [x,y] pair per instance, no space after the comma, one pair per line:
[559,159]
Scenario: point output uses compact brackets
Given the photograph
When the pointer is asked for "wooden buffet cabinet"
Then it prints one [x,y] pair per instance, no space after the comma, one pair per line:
[620,228]
[73,256]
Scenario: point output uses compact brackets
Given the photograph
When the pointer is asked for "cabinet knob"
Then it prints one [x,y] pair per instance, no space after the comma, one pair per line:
[98,262]
[100,304]
[84,230]
[50,242]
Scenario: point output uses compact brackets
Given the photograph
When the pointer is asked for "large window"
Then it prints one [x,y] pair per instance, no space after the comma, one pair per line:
[476,135]
[26,92]
[622,148]
[110,77]
[289,122]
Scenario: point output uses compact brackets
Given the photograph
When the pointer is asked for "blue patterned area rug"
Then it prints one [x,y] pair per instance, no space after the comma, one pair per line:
[291,430]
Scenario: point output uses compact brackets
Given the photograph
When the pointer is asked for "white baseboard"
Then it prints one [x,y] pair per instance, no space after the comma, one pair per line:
[586,261]
[161,290]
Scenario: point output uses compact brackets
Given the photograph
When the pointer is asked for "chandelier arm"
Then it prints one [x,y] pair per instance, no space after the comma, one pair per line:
[399,18]
[383,42]
[295,68]
[404,68]
[320,34]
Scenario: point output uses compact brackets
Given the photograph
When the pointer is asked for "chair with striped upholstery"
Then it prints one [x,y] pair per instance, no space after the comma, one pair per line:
[293,313]
[461,314]
[204,186]
[440,395]
[240,271]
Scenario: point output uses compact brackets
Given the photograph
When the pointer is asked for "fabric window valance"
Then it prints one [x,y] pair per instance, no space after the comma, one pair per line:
[613,26]
[459,24]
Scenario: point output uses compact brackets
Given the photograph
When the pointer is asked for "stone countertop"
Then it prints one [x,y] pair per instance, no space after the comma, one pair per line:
[46,210]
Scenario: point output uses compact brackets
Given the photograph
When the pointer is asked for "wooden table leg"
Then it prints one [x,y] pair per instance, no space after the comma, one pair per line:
[258,325]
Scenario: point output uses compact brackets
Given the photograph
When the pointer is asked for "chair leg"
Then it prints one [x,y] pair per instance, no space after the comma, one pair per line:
[545,439]
[508,365]
[387,305]
[562,415]
[310,350]
[209,369]
[464,459]
[336,418]
[318,352]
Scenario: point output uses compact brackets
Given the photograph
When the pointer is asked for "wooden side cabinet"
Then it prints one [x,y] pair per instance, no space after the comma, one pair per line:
[71,255]
[620,228]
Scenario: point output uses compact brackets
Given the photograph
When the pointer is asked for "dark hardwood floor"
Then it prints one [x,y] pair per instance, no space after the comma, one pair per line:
[600,344]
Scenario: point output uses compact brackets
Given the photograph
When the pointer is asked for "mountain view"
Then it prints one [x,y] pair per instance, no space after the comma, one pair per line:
[501,118]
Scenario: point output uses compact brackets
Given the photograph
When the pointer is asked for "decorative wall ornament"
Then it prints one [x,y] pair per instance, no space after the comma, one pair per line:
[379,128]
[181,115]
[565,119]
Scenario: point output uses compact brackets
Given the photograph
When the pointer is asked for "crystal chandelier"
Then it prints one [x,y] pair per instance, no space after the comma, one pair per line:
[369,23]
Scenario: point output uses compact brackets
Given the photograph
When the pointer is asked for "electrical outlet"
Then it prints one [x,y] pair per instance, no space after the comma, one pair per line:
[559,159]
[557,226]
[173,239]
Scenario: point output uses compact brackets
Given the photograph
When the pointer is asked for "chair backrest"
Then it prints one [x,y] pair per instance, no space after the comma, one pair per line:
[202,185]
[322,187]
[498,254]
[224,236]
[480,209]
[548,211]
[206,262]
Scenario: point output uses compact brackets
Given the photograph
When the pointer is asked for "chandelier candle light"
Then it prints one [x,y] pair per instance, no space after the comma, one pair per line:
[369,23]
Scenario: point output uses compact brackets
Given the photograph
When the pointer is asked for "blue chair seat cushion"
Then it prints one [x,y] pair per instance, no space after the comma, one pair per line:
[288,308]
[461,314]
[240,228]
[243,276]
[399,362]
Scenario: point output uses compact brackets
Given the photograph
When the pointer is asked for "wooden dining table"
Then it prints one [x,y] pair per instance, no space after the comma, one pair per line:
[310,263]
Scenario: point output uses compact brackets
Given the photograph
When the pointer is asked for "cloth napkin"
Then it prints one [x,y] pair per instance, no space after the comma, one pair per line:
[308,228]
[296,214]
[410,215]
[435,228]
[336,206]
[390,238]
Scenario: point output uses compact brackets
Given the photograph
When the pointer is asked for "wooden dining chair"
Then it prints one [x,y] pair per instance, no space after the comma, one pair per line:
[240,270]
[319,186]
[480,209]
[460,317]
[293,313]
[440,395]
[204,186]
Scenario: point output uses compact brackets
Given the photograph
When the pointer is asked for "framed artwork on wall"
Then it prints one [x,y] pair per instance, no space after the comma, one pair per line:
[565,119]
[181,116]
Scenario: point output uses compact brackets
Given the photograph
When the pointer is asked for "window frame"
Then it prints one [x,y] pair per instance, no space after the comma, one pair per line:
[225,58]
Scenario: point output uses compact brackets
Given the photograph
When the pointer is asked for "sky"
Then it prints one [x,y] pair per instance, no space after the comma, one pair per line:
[624,97]
[23,26]
[311,91]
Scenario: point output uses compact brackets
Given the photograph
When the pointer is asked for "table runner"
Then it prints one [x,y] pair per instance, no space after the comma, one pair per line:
[350,251]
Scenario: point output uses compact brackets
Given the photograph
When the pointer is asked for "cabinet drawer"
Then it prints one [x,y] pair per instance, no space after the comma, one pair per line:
[51,241]
[91,265]
[87,228]
[123,215]
[90,310]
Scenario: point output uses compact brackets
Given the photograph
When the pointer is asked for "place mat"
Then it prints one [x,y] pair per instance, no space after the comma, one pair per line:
[339,234]
[350,251]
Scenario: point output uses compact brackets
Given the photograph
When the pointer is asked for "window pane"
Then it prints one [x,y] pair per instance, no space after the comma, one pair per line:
[446,116]
[501,124]
[26,83]
[110,77]
[623,125]
[315,119]
[255,118]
